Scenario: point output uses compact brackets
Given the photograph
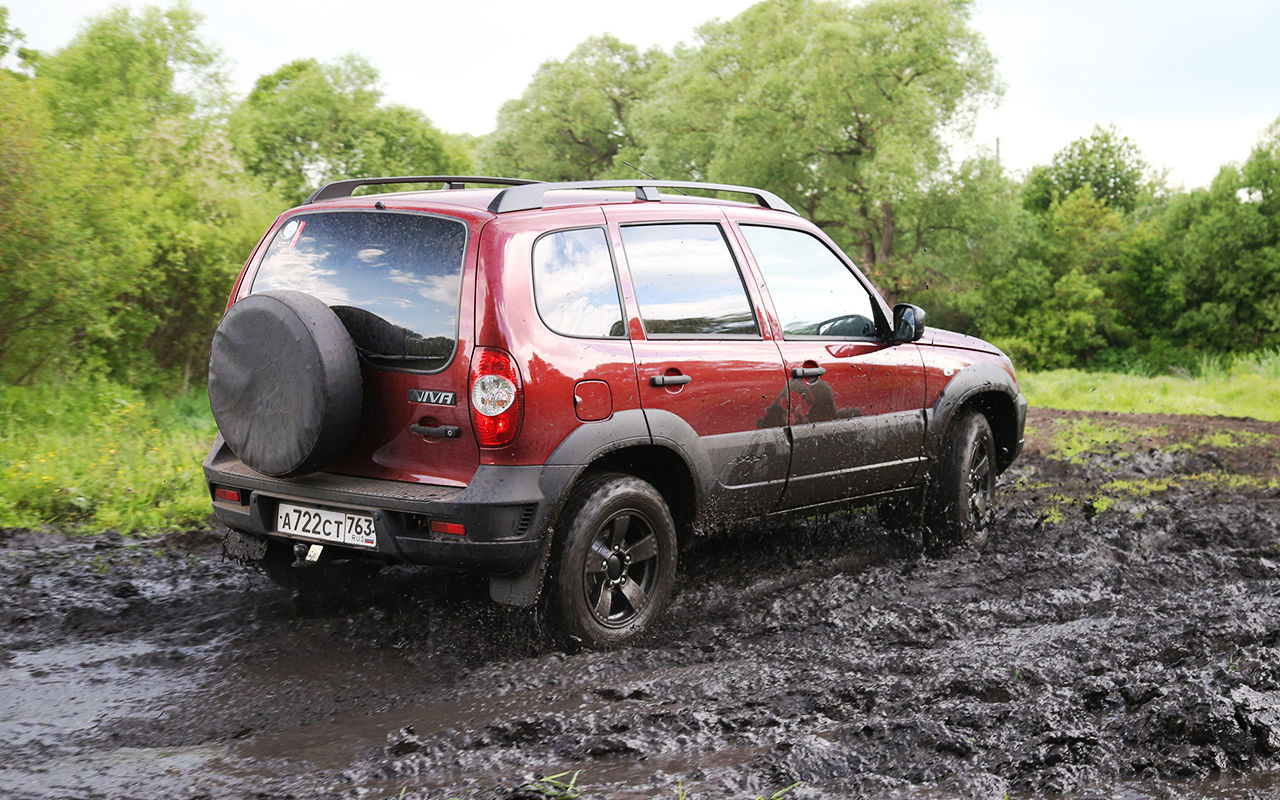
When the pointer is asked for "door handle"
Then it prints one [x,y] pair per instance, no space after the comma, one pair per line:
[808,372]
[669,380]
[437,432]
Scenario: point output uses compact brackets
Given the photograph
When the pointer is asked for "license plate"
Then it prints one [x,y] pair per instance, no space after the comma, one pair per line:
[338,527]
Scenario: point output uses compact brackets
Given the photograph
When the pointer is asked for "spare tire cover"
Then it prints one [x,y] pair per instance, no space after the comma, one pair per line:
[284,383]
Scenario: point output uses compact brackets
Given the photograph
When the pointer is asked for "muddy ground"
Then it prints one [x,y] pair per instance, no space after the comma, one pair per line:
[1118,636]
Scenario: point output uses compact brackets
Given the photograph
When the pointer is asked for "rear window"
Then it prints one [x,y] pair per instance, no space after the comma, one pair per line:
[393,279]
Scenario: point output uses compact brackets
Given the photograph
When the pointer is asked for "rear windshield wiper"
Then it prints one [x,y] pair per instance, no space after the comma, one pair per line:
[398,356]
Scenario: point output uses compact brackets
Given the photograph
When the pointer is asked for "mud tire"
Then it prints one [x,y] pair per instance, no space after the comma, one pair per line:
[961,498]
[284,383]
[615,538]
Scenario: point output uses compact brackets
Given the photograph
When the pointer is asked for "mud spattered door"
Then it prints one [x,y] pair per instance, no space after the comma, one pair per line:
[853,399]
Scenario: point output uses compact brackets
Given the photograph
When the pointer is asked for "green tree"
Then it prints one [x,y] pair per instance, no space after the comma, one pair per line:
[1224,243]
[40,272]
[1105,161]
[1050,301]
[971,229]
[841,109]
[11,40]
[308,123]
[575,119]
[123,71]
[145,216]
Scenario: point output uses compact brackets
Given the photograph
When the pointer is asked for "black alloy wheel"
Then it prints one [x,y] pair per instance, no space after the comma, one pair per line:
[620,570]
[980,479]
[614,562]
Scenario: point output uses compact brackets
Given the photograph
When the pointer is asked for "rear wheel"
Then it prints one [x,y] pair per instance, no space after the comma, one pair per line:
[614,562]
[961,502]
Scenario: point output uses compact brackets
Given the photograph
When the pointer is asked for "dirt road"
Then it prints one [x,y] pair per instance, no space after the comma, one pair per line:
[1118,636]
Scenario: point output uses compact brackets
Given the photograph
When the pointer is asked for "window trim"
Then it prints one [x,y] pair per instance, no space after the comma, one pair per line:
[617,284]
[733,259]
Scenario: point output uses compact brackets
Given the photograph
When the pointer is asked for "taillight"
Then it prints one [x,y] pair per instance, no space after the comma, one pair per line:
[497,397]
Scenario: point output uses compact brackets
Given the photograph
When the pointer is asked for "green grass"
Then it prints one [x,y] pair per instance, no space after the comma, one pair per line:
[94,455]
[1074,439]
[1244,386]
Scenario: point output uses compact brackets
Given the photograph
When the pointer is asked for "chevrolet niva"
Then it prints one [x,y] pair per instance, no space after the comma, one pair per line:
[552,384]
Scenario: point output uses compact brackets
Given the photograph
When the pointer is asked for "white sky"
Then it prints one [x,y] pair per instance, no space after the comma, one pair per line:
[1193,84]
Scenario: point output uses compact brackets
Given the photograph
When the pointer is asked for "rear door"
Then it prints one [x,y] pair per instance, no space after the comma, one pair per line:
[709,372]
[395,279]
[856,400]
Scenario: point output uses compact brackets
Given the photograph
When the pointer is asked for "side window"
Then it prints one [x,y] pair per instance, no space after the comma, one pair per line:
[813,291]
[574,284]
[686,281]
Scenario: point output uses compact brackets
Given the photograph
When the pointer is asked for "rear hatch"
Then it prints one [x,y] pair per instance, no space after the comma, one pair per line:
[396,281]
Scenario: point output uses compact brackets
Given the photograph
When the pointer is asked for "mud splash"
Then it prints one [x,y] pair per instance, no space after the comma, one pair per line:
[1118,636]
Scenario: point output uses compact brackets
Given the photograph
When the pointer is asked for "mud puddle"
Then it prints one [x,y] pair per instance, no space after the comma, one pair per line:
[1118,636]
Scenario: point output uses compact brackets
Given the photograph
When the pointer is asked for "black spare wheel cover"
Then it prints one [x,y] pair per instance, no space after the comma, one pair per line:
[284,383]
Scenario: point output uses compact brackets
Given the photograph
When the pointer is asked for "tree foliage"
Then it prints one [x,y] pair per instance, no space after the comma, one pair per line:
[308,123]
[1224,244]
[1105,161]
[11,48]
[841,109]
[126,216]
[575,121]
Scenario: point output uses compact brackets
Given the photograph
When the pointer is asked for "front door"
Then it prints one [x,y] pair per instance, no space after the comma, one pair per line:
[854,399]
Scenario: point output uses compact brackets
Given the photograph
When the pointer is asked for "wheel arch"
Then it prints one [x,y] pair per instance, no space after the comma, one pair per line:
[664,469]
[990,391]
[621,444]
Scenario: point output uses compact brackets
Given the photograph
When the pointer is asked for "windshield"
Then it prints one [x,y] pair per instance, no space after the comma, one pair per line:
[393,279]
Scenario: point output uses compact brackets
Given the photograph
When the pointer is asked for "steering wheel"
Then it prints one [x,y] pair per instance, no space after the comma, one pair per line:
[847,325]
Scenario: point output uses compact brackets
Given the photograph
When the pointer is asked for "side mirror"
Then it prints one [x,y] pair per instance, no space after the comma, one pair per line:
[908,323]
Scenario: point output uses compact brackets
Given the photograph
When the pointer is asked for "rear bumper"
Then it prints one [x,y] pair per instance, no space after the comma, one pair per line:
[506,511]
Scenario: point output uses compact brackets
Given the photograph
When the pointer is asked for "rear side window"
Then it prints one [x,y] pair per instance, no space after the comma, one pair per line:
[393,279]
[575,286]
[814,293]
[686,282]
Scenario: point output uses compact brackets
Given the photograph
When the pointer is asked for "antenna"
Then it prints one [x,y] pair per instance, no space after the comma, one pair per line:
[650,175]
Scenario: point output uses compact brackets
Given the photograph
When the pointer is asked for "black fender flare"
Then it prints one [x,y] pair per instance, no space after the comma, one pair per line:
[968,384]
[587,444]
[634,427]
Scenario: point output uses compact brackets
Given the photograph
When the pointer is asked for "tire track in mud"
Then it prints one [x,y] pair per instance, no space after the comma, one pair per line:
[1119,635]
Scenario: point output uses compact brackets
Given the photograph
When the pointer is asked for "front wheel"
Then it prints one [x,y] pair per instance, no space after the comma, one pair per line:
[614,562]
[961,501]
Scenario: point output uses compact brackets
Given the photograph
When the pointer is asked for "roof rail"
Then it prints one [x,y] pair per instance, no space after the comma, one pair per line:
[344,188]
[526,196]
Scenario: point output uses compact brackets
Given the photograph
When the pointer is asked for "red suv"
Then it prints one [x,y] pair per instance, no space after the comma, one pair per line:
[553,383]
